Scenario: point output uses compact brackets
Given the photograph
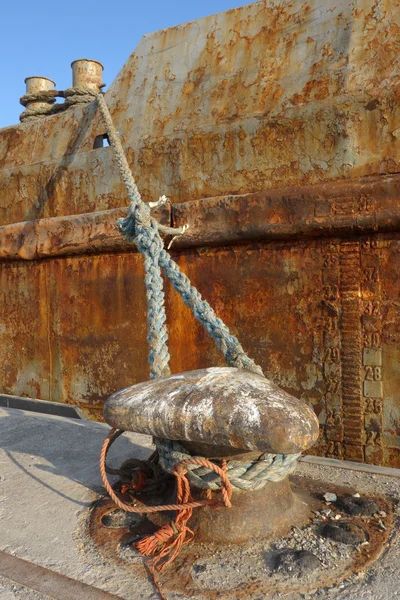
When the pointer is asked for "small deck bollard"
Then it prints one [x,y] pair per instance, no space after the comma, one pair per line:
[37,106]
[87,74]
[225,414]
[86,82]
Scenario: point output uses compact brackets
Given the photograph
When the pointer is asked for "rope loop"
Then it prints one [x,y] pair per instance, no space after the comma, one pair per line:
[244,476]
[78,95]
[186,504]
[48,96]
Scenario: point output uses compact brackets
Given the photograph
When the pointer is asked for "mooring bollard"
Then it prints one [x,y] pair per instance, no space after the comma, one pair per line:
[224,414]
[86,82]
[38,99]
[87,74]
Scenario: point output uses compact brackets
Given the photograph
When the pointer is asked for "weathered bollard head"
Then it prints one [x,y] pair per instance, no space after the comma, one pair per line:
[224,408]
[38,99]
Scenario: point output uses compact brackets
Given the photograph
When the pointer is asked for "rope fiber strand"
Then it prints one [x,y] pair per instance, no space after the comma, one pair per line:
[244,476]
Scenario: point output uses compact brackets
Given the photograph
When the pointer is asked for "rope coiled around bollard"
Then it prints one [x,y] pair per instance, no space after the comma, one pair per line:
[245,476]
[72,96]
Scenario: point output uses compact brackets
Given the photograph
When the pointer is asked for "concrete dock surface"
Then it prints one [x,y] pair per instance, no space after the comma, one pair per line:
[49,480]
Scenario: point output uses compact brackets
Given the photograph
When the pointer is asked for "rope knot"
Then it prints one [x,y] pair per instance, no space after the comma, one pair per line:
[140,228]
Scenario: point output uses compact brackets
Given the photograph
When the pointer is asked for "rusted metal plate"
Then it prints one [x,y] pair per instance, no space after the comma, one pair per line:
[24,348]
[223,407]
[73,328]
[73,185]
[97,327]
[50,138]
[268,96]
[322,319]
[54,585]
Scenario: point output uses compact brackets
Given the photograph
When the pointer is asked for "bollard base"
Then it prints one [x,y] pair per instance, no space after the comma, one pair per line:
[264,514]
[269,512]
[306,559]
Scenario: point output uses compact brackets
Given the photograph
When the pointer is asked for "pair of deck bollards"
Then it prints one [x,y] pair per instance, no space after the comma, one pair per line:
[40,96]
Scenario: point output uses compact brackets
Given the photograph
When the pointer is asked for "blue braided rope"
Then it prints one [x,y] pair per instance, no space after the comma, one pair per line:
[229,345]
[147,244]
[141,229]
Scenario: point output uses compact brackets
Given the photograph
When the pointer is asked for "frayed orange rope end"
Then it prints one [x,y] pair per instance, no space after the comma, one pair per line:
[166,542]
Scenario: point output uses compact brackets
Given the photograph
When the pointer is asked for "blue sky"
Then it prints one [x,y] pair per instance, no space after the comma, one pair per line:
[43,38]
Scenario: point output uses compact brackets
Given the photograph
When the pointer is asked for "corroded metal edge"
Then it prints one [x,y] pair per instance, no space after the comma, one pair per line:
[86,233]
[45,581]
[356,206]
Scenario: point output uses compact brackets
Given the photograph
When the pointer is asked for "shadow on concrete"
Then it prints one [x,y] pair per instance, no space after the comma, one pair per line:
[60,454]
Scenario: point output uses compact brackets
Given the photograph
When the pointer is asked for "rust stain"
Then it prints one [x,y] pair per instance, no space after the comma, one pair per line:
[273,43]
[248,70]
[268,97]
[110,538]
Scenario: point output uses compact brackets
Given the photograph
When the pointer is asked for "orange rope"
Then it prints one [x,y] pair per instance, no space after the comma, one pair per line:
[226,485]
[166,543]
